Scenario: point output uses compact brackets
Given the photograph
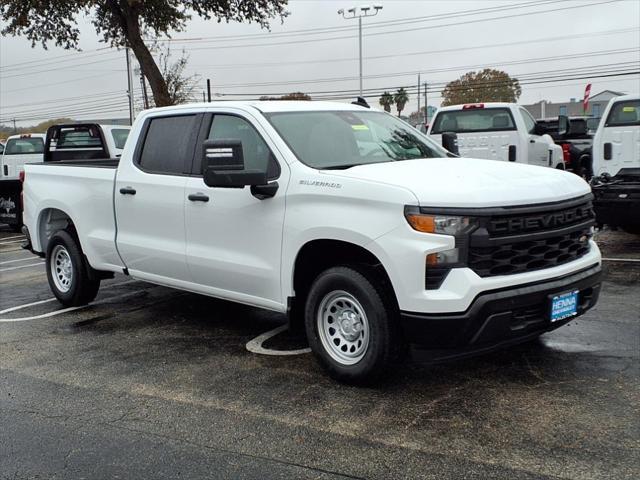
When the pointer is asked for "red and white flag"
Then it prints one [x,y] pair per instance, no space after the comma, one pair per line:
[587,94]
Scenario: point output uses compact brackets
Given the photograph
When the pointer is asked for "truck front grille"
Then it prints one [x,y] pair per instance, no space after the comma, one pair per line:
[525,239]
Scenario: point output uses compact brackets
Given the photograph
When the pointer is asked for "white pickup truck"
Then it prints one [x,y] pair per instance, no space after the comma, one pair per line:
[353,222]
[497,131]
[616,164]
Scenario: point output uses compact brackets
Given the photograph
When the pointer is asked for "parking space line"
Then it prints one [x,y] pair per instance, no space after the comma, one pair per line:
[21,266]
[255,345]
[11,238]
[12,241]
[630,260]
[58,312]
[30,257]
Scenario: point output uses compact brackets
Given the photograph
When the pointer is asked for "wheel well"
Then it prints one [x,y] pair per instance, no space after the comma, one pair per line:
[52,220]
[319,255]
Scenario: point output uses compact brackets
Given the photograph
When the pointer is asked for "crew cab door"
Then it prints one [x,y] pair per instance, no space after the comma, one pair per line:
[234,240]
[620,141]
[149,199]
[536,147]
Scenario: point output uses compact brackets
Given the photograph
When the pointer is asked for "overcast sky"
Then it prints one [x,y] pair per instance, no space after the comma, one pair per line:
[568,39]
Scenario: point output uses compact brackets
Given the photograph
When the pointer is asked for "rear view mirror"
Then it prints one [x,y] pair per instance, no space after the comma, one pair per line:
[450,142]
[563,125]
[223,165]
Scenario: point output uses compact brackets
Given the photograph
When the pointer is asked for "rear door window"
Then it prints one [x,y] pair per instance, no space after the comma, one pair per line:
[168,144]
[24,146]
[83,137]
[624,114]
[474,120]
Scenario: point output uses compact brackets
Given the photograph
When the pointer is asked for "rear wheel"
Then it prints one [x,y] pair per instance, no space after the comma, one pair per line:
[350,328]
[68,273]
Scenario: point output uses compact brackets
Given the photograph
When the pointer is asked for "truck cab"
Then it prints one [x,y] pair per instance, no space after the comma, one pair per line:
[21,149]
[497,131]
[616,164]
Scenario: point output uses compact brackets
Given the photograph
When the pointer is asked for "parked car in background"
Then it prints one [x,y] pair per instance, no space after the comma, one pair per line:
[367,232]
[497,131]
[61,143]
[576,143]
[616,165]
[19,150]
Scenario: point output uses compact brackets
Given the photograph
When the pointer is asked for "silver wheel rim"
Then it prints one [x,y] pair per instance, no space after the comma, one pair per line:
[61,268]
[343,327]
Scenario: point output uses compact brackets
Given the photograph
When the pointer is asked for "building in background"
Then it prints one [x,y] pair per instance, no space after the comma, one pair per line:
[573,107]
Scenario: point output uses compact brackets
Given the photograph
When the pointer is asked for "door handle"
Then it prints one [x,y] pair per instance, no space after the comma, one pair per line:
[128,191]
[532,141]
[198,197]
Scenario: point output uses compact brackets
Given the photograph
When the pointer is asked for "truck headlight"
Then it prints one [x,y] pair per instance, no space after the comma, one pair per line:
[441,224]
[439,264]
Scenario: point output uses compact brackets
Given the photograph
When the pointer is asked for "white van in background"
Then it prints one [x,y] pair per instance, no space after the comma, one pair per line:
[616,164]
[21,149]
[497,131]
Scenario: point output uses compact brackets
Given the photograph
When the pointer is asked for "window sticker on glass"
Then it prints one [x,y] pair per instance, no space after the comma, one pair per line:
[359,127]
[629,109]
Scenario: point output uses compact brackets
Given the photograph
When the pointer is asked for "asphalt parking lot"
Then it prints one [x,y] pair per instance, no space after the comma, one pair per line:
[149,382]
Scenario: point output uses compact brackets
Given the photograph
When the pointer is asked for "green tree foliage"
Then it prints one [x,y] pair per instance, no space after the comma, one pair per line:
[386,100]
[401,98]
[288,96]
[486,86]
[126,23]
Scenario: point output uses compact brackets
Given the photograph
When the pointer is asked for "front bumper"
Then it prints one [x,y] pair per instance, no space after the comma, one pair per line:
[497,318]
[617,204]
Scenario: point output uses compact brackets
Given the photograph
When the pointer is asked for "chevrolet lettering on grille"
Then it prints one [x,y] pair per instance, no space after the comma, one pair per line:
[544,221]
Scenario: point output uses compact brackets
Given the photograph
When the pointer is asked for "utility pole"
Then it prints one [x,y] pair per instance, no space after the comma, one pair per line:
[204,97]
[418,95]
[15,129]
[359,12]
[208,90]
[130,88]
[426,105]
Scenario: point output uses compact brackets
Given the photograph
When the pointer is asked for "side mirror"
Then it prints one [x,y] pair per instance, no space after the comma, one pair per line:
[450,142]
[223,165]
[539,129]
[563,125]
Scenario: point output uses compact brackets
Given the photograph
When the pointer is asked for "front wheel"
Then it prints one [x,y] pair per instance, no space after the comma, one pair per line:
[349,320]
[67,272]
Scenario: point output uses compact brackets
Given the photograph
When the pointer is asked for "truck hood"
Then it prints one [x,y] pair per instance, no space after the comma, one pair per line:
[469,182]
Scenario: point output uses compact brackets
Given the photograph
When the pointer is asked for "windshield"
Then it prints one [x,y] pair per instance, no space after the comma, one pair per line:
[473,120]
[120,136]
[27,145]
[342,139]
[624,114]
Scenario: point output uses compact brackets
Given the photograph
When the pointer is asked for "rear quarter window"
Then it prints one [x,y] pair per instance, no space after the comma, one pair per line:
[624,114]
[120,136]
[474,120]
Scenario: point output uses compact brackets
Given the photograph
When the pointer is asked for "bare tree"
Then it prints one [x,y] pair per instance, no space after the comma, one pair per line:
[180,86]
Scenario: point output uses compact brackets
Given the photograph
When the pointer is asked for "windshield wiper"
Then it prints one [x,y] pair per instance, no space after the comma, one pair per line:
[342,167]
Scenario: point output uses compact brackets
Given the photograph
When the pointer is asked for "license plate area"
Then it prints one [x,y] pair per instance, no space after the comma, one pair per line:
[563,306]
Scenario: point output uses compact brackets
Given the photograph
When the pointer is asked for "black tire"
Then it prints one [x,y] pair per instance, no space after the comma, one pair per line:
[81,289]
[17,228]
[383,343]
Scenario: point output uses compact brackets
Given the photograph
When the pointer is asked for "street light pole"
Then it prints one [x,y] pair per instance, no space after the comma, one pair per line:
[359,12]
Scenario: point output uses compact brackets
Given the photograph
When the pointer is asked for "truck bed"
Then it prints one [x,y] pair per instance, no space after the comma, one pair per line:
[81,190]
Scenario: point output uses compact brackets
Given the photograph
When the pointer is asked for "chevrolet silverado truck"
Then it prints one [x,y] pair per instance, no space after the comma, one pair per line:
[351,221]
[497,131]
[616,164]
